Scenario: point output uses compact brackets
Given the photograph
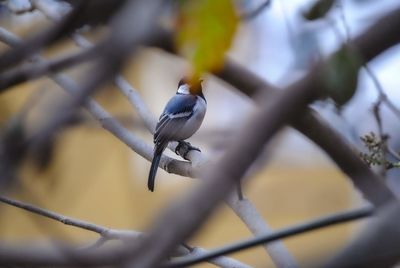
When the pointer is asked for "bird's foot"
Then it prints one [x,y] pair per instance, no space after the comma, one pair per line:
[191,249]
[184,148]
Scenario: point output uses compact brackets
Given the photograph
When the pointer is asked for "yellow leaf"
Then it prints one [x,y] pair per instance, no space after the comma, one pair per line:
[205,30]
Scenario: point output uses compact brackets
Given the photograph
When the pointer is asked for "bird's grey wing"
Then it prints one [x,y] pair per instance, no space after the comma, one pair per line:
[176,112]
[168,126]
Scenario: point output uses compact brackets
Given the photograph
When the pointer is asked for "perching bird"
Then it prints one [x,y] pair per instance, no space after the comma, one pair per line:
[181,118]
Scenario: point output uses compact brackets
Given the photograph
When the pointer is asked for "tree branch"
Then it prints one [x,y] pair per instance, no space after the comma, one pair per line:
[246,211]
[107,233]
[326,221]
[115,234]
[257,11]
[381,91]
[37,69]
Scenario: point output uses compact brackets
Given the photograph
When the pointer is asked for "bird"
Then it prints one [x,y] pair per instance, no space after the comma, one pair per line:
[181,118]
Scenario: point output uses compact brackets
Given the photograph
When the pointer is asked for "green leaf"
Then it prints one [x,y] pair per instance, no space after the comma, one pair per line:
[319,9]
[341,75]
[205,30]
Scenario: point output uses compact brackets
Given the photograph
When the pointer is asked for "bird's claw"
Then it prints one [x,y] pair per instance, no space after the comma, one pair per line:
[184,148]
[191,249]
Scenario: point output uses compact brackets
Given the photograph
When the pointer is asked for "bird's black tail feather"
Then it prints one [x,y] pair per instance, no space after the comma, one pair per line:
[153,169]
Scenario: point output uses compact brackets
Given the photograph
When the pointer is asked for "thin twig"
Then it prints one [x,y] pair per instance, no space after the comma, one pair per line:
[394,153]
[255,12]
[113,234]
[326,221]
[382,95]
[248,213]
[103,231]
[383,137]
[39,68]
[135,99]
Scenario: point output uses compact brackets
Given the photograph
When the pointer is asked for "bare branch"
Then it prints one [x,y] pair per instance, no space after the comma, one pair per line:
[103,231]
[22,74]
[220,261]
[32,44]
[114,234]
[246,211]
[382,95]
[9,38]
[134,98]
[257,11]
[326,221]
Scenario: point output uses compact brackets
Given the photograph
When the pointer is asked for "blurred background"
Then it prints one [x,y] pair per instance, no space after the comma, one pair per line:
[95,177]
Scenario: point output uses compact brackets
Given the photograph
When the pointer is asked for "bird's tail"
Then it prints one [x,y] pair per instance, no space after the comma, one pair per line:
[153,169]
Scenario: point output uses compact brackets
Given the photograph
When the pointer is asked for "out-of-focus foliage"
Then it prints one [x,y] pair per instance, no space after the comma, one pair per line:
[319,9]
[205,31]
[341,75]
